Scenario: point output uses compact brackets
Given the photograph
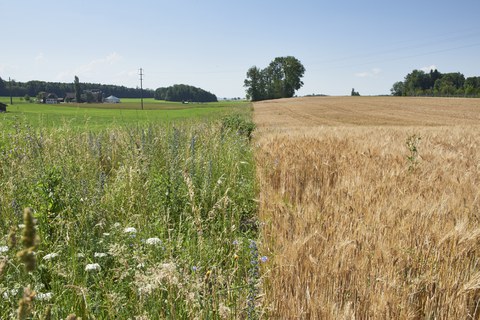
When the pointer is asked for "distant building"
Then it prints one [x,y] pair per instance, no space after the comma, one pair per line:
[70,97]
[3,107]
[49,98]
[112,99]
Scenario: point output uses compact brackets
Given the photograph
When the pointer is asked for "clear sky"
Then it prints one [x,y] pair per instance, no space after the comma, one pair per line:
[366,45]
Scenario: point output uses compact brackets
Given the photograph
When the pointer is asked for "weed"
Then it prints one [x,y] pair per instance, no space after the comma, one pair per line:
[412,143]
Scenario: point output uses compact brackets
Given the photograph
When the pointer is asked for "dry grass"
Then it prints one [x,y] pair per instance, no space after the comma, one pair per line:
[355,230]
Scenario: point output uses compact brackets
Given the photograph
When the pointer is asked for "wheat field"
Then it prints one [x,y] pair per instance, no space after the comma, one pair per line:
[370,207]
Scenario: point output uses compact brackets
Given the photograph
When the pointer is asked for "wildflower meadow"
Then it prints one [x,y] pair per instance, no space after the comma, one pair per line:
[140,222]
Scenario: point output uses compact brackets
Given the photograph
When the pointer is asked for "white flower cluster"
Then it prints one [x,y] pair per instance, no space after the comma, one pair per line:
[50,256]
[100,254]
[130,230]
[93,267]
[153,241]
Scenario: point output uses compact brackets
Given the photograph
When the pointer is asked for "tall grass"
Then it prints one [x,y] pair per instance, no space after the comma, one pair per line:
[138,222]
[357,231]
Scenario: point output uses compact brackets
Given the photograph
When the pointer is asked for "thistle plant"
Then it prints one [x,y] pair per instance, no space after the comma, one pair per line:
[412,145]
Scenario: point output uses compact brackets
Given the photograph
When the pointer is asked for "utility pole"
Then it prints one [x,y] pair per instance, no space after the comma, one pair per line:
[10,85]
[141,86]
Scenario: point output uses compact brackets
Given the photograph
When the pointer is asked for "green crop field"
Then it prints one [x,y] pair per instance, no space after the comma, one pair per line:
[100,116]
[110,212]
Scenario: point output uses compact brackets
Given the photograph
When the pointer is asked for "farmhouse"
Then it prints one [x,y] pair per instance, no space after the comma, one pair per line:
[49,98]
[3,107]
[112,99]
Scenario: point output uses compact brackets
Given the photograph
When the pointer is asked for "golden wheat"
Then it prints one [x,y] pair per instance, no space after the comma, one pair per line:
[354,231]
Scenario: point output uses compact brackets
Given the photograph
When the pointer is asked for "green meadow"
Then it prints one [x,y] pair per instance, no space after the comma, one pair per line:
[100,116]
[111,212]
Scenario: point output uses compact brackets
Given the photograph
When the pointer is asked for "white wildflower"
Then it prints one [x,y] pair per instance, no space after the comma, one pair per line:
[10,293]
[80,255]
[153,241]
[44,296]
[116,225]
[92,267]
[106,234]
[50,256]
[21,226]
[131,230]
[3,249]
[100,255]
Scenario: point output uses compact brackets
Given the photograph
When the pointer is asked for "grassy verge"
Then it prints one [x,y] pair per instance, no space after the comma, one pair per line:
[154,220]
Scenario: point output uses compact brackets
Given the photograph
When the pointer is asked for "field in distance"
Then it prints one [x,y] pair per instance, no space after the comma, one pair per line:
[367,111]
[96,116]
[370,207]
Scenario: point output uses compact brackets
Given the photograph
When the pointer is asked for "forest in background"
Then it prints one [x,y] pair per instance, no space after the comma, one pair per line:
[32,88]
[435,83]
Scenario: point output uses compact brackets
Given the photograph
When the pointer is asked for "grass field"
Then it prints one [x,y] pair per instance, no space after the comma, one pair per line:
[98,116]
[370,207]
[132,216]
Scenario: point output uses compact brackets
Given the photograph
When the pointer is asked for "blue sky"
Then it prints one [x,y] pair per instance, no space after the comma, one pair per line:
[366,45]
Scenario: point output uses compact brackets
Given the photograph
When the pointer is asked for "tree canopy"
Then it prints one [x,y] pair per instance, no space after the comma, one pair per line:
[183,92]
[280,79]
[32,88]
[434,83]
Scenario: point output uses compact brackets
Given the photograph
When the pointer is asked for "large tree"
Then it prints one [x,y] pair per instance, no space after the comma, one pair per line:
[280,79]
[255,84]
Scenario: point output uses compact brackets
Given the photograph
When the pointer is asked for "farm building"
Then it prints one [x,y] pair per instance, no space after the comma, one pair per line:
[49,98]
[112,99]
[3,107]
[70,97]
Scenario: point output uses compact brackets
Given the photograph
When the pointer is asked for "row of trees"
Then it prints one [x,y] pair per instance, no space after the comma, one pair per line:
[280,79]
[32,88]
[183,92]
[435,83]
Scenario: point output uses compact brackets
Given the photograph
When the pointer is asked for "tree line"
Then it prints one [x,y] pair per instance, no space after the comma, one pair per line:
[32,88]
[183,92]
[435,83]
[280,79]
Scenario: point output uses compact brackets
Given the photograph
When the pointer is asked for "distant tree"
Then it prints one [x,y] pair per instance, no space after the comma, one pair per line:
[472,86]
[416,83]
[160,93]
[41,96]
[280,79]
[182,92]
[437,84]
[292,71]
[27,98]
[354,93]
[255,84]
[3,91]
[78,92]
[398,89]
[89,97]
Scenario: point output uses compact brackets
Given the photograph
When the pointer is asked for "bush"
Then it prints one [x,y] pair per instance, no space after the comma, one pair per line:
[241,125]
